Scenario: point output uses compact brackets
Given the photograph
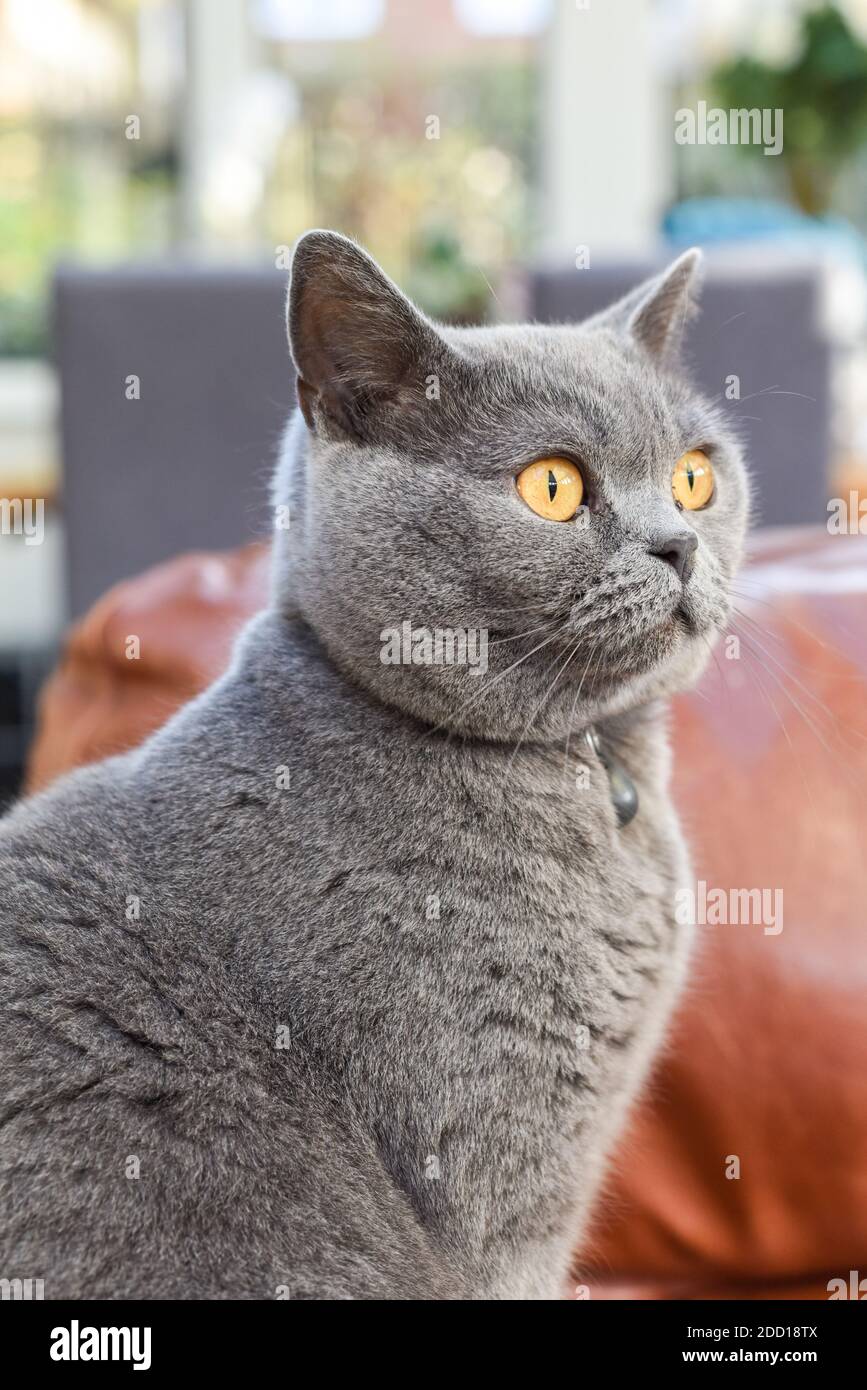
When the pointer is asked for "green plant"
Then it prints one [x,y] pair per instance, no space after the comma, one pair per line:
[823,96]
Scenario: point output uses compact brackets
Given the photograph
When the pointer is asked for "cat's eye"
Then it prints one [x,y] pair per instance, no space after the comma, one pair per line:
[692,481]
[552,488]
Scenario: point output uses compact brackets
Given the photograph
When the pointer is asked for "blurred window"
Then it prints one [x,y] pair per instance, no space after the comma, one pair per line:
[89,120]
[503,16]
[317,19]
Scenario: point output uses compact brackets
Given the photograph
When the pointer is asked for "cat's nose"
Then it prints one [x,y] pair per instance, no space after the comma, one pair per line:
[679,552]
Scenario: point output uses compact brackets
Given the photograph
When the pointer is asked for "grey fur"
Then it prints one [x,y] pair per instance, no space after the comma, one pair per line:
[472,965]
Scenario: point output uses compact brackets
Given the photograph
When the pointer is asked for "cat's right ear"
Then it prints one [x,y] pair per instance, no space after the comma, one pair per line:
[359,345]
[655,314]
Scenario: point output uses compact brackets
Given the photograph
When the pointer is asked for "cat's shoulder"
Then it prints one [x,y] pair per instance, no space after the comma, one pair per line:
[65,831]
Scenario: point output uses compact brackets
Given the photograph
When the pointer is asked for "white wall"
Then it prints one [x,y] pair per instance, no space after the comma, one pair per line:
[606,138]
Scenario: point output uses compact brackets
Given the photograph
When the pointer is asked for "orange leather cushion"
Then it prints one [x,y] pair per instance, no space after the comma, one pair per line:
[767,1060]
[185,614]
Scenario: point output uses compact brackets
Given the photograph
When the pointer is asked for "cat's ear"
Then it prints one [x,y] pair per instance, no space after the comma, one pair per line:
[357,342]
[655,314]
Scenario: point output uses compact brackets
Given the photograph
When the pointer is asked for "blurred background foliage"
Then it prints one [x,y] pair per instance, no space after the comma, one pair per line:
[446,215]
[823,92]
[336,116]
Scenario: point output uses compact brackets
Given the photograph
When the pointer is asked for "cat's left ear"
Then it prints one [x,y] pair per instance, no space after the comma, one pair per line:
[656,313]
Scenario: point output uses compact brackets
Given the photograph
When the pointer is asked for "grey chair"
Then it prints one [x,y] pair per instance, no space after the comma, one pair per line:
[186,465]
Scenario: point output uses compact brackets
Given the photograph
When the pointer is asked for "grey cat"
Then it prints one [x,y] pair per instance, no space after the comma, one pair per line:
[341,985]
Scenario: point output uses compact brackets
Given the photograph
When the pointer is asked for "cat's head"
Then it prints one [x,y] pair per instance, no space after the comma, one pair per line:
[433,565]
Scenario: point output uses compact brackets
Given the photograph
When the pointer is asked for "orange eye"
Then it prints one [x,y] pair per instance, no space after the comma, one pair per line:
[692,481]
[552,488]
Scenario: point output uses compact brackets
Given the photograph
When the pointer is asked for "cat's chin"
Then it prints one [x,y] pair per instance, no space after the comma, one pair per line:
[688,622]
[671,658]
[678,669]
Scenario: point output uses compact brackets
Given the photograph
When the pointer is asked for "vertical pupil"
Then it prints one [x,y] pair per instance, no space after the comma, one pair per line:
[552,486]
[690,476]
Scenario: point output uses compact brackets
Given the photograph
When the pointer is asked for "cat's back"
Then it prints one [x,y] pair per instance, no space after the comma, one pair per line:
[154,1139]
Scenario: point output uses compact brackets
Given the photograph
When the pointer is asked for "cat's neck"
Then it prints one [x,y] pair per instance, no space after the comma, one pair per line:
[277,639]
